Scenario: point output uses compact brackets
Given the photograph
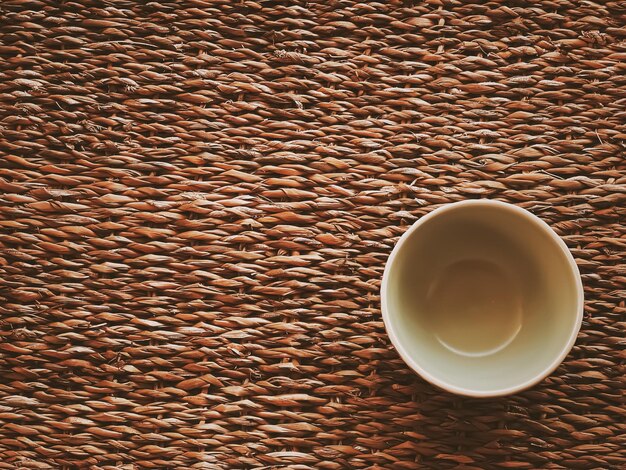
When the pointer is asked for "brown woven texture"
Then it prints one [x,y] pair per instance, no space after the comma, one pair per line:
[197,200]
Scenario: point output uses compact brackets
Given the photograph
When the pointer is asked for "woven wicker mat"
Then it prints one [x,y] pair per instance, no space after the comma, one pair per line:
[198,199]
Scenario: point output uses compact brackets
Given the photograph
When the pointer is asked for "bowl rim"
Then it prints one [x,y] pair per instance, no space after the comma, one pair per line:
[413,364]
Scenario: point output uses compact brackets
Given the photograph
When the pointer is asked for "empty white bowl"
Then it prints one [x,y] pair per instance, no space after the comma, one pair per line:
[482,298]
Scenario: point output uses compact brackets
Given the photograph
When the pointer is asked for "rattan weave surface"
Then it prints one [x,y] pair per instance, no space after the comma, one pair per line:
[197,200]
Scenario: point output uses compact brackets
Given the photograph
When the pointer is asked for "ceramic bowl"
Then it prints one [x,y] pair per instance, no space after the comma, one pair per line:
[482,298]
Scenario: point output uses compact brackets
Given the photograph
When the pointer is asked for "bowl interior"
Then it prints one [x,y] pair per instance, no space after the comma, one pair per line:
[482,298]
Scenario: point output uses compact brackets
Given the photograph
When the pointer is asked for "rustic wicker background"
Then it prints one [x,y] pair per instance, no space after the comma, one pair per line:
[198,199]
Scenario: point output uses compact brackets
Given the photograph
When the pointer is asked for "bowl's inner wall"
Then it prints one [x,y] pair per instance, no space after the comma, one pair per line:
[482,298]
